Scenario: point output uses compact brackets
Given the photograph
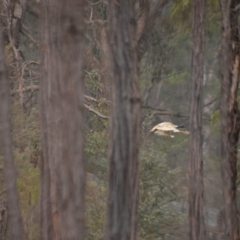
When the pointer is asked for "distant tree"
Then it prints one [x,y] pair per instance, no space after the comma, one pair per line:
[230,119]
[148,12]
[196,214]
[125,123]
[62,119]
[14,218]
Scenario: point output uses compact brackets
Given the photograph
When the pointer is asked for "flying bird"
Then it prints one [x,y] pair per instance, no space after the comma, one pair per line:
[167,128]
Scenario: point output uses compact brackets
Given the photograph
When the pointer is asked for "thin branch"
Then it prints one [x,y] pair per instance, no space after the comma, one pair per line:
[236,8]
[25,89]
[88,98]
[36,87]
[91,99]
[17,63]
[211,102]
[29,37]
[158,111]
[96,112]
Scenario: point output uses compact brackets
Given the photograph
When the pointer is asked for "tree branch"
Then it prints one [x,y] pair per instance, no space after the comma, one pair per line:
[29,37]
[88,98]
[163,112]
[36,87]
[25,89]
[96,112]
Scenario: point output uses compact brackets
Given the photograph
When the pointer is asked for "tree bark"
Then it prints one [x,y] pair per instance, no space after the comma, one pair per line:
[230,121]
[14,217]
[62,110]
[49,73]
[196,213]
[125,123]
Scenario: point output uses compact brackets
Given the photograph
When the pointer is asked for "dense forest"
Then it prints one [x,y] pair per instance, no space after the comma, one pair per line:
[83,85]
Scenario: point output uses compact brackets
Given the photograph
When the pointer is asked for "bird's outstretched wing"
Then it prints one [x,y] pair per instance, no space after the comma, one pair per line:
[166,128]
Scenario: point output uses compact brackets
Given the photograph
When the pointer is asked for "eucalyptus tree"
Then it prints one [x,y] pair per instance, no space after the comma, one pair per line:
[230,118]
[62,119]
[130,26]
[196,214]
[125,123]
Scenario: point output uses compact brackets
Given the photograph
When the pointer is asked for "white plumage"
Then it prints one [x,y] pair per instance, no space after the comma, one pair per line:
[166,128]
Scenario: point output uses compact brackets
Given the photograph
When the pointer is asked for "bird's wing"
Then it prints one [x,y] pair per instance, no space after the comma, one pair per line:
[163,133]
[153,129]
[167,124]
[167,128]
[159,132]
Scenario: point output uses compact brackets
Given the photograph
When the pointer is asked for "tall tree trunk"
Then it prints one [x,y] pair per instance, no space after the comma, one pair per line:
[125,123]
[230,121]
[62,110]
[14,217]
[49,74]
[196,213]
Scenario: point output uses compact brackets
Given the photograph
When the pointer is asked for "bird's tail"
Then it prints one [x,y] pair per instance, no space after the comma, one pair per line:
[150,133]
[185,132]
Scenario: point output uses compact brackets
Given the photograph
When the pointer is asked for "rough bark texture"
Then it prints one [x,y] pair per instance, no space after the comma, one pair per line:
[49,73]
[125,123]
[62,110]
[230,124]
[196,213]
[14,218]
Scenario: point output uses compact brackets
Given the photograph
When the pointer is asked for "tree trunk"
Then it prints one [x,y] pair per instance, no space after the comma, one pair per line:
[49,73]
[125,123]
[230,124]
[14,217]
[196,213]
[62,110]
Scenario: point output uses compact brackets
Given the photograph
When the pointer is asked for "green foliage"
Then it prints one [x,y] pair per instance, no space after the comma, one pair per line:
[159,198]
[180,13]
[215,118]
[181,78]
[93,84]
[95,207]
[96,152]
[26,143]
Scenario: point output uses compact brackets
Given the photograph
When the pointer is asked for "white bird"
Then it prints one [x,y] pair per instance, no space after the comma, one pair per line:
[166,128]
